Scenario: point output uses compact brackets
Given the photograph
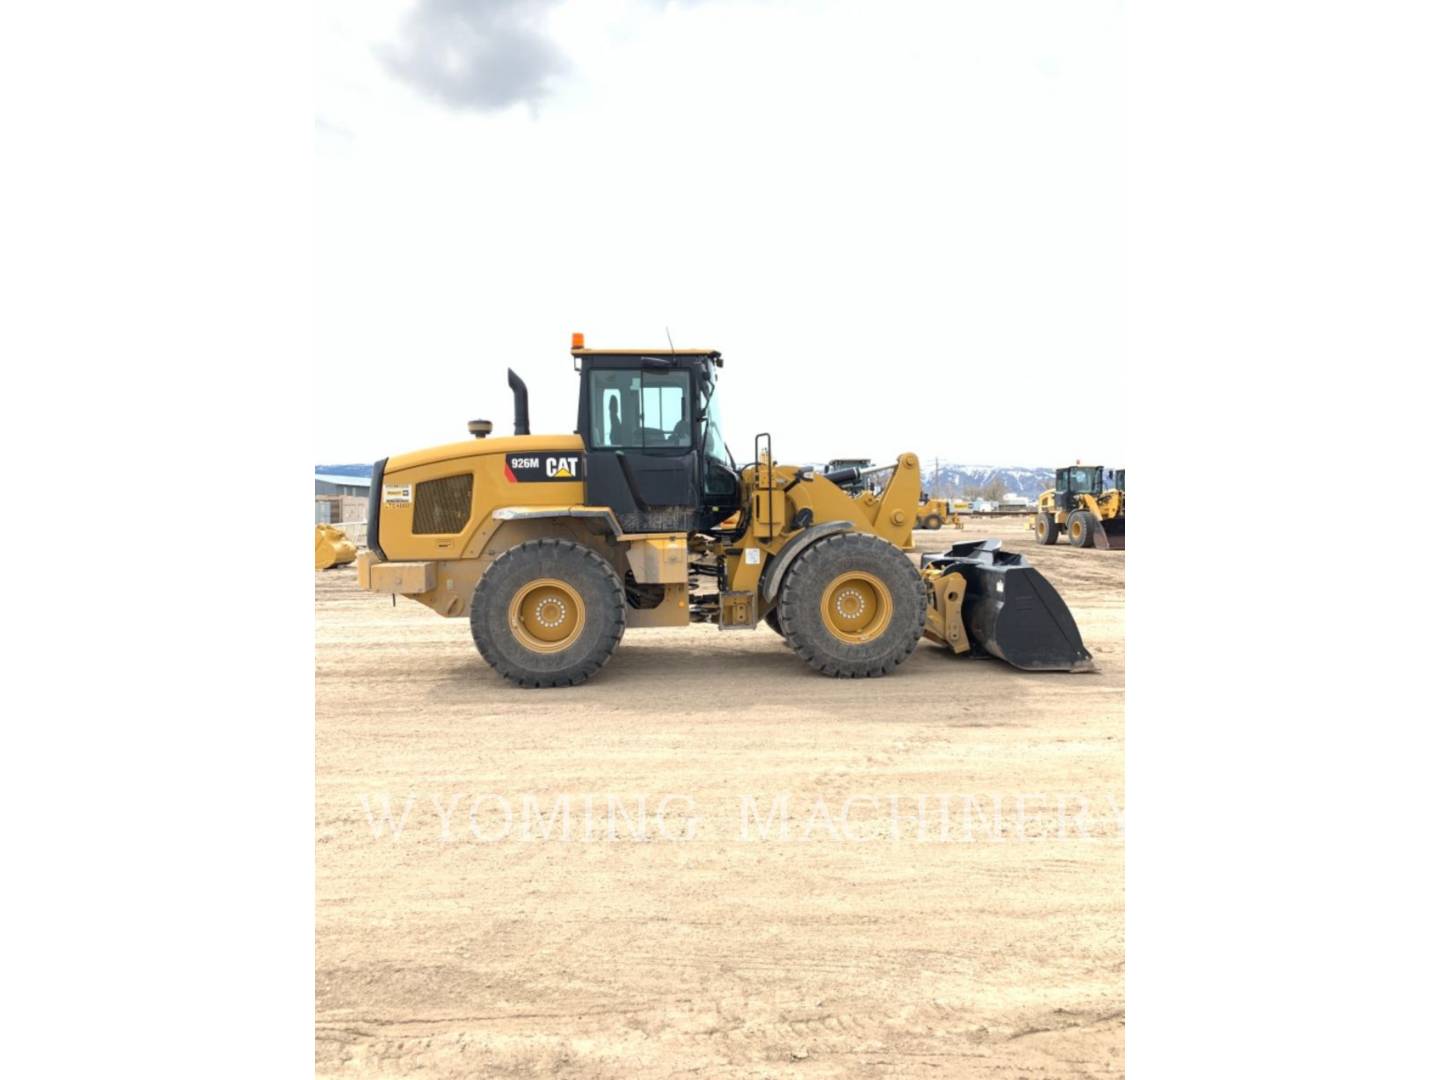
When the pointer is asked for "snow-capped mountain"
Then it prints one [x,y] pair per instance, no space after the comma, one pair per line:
[345,470]
[949,480]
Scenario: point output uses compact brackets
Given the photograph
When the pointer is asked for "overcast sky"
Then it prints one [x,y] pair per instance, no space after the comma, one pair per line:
[902,223]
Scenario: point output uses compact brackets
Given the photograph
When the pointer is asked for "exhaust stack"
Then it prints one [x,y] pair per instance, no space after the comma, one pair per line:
[522,403]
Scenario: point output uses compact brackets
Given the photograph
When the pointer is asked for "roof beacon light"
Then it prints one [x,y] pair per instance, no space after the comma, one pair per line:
[577,341]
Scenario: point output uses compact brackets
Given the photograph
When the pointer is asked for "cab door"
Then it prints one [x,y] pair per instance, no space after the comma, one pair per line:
[644,453]
[1064,498]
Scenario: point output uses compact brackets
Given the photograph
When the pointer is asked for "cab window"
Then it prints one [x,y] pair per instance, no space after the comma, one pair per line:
[639,409]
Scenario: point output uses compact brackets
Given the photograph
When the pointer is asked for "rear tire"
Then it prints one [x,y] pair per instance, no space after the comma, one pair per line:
[933,522]
[1046,531]
[852,606]
[548,613]
[1082,529]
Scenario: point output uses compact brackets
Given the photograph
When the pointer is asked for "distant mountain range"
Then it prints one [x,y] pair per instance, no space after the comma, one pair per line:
[950,481]
[345,470]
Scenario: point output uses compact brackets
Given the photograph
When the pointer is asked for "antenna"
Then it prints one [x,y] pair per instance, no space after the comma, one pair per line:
[671,340]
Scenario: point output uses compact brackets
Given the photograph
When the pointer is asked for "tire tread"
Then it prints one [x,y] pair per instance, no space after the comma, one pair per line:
[611,614]
[814,556]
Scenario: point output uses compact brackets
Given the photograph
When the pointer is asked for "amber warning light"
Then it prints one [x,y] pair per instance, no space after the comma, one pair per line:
[577,341]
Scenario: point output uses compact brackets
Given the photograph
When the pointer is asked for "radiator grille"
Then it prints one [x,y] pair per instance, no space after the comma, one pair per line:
[442,506]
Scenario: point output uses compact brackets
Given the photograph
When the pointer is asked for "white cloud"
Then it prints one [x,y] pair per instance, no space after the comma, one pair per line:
[476,54]
[902,223]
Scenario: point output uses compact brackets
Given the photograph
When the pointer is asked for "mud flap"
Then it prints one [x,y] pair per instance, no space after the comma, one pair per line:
[1011,611]
[1110,535]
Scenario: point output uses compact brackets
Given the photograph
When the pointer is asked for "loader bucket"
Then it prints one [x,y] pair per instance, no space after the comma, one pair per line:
[1011,611]
[332,547]
[1110,535]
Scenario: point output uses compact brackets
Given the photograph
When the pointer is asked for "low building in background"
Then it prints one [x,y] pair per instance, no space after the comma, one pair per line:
[342,499]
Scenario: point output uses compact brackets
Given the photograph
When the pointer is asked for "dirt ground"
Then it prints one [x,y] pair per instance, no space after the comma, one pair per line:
[876,937]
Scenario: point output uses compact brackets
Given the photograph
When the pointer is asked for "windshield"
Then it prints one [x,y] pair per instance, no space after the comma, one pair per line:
[715,447]
[720,480]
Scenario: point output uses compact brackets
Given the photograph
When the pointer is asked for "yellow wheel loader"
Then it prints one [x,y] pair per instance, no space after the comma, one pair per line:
[553,546]
[933,513]
[332,547]
[1087,504]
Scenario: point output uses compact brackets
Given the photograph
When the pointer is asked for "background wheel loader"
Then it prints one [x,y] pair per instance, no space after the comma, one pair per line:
[1087,504]
[332,547]
[933,513]
[554,546]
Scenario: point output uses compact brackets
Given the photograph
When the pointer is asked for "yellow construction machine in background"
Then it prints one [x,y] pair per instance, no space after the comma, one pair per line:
[332,547]
[933,513]
[1087,504]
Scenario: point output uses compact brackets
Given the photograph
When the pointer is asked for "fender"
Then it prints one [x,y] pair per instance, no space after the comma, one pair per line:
[502,515]
[776,567]
[529,513]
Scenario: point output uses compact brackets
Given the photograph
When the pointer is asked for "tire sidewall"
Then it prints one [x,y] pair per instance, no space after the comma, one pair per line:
[815,569]
[593,579]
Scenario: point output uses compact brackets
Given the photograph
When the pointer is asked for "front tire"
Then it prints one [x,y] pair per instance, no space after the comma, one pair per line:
[548,613]
[1082,529]
[852,606]
[933,522]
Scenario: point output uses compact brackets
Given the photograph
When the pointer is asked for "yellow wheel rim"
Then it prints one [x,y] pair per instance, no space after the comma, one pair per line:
[546,615]
[856,607]
[1075,529]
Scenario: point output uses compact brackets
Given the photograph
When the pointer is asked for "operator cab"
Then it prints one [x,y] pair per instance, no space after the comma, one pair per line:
[1076,480]
[1093,480]
[1080,479]
[655,453]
